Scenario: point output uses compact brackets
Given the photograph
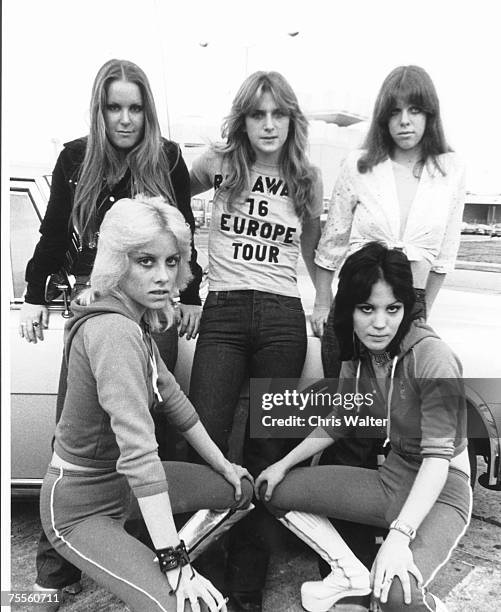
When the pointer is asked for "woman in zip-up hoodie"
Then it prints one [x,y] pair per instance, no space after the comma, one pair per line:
[105,451]
[421,493]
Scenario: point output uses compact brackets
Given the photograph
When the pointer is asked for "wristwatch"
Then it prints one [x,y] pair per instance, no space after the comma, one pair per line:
[407,530]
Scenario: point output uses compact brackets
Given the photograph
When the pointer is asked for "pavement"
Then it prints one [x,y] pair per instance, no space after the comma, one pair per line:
[477,265]
[469,582]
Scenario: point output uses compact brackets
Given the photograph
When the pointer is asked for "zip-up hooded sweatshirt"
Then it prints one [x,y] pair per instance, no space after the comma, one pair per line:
[424,403]
[112,387]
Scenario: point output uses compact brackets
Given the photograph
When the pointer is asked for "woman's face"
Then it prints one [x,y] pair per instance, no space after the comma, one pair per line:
[151,277]
[267,128]
[406,125]
[376,321]
[124,114]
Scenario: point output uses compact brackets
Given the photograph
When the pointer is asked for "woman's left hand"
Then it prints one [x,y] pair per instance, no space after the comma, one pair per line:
[394,559]
[189,320]
[234,474]
[318,319]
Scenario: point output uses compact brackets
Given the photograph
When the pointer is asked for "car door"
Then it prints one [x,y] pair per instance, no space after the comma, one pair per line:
[34,368]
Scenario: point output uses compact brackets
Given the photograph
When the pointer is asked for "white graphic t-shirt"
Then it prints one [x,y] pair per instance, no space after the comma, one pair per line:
[253,244]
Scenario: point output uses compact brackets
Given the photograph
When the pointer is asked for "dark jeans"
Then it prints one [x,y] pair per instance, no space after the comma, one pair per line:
[55,572]
[246,334]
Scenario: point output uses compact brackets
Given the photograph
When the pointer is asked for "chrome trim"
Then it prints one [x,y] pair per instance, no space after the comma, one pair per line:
[26,483]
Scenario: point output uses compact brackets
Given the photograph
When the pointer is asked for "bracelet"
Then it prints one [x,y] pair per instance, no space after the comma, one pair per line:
[407,530]
[173,556]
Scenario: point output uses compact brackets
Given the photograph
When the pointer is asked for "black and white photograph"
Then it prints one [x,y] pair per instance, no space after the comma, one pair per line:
[250,356]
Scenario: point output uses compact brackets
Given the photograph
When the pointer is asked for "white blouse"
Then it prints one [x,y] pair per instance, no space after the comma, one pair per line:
[364,207]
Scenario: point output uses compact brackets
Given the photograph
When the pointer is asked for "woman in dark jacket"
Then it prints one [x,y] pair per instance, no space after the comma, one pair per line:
[123,155]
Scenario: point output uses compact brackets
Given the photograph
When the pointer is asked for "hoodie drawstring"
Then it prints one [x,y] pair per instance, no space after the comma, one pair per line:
[390,393]
[388,401]
[154,374]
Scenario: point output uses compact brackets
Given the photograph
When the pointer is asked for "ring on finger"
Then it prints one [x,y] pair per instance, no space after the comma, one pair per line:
[35,324]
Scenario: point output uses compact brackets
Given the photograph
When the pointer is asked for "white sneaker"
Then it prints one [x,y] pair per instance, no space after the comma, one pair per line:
[320,595]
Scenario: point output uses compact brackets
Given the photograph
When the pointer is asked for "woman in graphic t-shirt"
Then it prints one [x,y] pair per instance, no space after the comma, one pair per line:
[267,205]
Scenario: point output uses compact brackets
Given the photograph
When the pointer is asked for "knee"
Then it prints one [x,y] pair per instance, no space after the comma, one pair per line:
[395,602]
[271,505]
[247,493]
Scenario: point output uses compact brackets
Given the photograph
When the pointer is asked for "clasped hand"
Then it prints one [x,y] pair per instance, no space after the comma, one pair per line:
[234,473]
[268,479]
[394,559]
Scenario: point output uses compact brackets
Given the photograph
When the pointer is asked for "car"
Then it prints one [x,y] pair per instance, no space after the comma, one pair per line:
[483,229]
[468,228]
[34,369]
[495,230]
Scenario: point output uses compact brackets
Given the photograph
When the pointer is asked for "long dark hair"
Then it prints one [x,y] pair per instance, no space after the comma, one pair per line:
[362,269]
[413,85]
[298,172]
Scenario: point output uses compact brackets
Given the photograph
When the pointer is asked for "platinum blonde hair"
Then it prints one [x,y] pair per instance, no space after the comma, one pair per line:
[126,227]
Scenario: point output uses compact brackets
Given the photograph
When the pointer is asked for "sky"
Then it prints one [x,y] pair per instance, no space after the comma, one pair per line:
[197,52]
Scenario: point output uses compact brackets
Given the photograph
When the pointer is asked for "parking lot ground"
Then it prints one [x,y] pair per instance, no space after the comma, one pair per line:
[470,581]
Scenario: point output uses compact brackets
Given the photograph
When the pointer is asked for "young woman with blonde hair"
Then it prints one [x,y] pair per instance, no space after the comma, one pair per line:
[124,154]
[267,206]
[105,447]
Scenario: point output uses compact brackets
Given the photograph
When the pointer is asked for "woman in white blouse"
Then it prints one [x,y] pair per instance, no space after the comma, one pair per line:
[405,188]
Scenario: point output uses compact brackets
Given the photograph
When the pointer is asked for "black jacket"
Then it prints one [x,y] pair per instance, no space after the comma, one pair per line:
[50,251]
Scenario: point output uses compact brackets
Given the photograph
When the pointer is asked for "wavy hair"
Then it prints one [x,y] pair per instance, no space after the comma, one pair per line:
[359,273]
[148,162]
[413,85]
[299,174]
[129,224]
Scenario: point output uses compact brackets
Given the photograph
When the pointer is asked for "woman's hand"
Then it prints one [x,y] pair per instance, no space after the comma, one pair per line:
[192,587]
[33,319]
[318,319]
[272,476]
[189,320]
[394,559]
[234,473]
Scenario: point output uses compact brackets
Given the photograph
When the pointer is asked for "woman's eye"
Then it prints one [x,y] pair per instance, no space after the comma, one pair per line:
[280,114]
[394,309]
[415,110]
[136,108]
[257,115]
[146,262]
[172,262]
[365,308]
[113,108]
[394,112]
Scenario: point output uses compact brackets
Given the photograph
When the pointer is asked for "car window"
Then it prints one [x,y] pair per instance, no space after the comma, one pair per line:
[24,223]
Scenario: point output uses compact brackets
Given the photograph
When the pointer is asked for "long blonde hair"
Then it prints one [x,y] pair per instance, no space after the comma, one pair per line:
[148,163]
[298,172]
[129,224]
